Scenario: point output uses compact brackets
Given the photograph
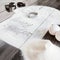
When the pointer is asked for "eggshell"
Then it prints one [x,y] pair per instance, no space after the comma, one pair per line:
[57,36]
[53,29]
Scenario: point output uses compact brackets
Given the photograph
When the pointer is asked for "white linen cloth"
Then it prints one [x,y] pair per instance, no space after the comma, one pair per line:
[20,28]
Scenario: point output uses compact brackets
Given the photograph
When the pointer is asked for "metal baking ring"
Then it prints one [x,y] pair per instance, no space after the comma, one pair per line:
[32,14]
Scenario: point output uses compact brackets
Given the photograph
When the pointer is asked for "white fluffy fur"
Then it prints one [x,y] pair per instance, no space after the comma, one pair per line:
[40,50]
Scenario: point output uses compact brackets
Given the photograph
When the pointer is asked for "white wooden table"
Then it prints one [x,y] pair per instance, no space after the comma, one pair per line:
[21,27]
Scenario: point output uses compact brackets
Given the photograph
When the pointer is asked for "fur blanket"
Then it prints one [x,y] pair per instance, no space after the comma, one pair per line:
[40,50]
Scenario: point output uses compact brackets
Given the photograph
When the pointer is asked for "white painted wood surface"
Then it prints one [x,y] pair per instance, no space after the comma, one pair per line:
[40,25]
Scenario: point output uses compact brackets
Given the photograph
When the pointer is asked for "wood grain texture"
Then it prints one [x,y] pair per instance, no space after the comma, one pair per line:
[51,3]
[8,52]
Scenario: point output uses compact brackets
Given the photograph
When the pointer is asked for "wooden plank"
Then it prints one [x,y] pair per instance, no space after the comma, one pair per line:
[5,15]
[8,52]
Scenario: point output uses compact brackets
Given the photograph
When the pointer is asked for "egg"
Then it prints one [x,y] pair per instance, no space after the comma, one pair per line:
[57,36]
[53,29]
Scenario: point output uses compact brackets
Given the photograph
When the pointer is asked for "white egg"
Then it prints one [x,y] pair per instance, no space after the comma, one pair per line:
[53,29]
[58,35]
